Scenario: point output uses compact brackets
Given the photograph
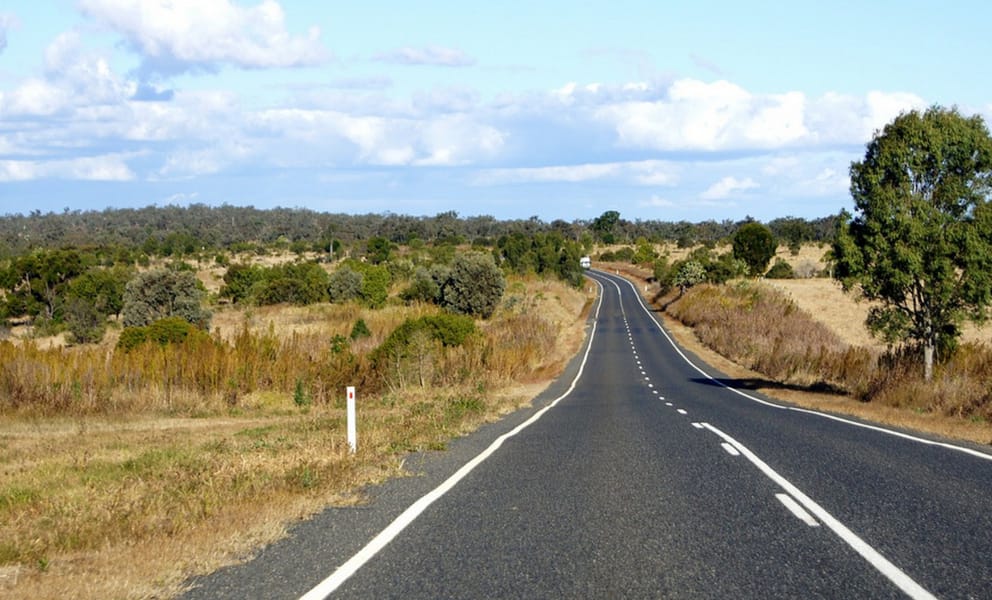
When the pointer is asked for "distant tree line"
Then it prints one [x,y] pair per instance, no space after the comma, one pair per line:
[174,231]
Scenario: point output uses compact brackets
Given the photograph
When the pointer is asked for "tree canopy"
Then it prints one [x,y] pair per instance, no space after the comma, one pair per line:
[755,245]
[920,241]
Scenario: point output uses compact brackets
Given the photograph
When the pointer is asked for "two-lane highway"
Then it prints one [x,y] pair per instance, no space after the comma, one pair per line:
[648,477]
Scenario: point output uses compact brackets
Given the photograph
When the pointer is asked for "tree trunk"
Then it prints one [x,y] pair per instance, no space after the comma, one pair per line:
[928,351]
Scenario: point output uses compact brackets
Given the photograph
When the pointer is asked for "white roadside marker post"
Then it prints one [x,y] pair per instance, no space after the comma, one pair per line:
[352,434]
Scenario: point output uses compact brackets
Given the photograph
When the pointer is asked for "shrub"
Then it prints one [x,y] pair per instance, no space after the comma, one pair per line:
[360,330]
[239,280]
[344,284]
[410,351]
[423,288]
[171,330]
[475,285]
[781,270]
[375,285]
[162,293]
[86,324]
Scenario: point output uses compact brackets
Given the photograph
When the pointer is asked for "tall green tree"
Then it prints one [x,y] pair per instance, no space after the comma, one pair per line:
[605,225]
[920,241]
[754,244]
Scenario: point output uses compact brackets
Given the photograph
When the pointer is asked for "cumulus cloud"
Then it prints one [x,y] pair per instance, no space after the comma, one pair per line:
[111,167]
[693,115]
[174,36]
[647,172]
[429,55]
[377,140]
[726,187]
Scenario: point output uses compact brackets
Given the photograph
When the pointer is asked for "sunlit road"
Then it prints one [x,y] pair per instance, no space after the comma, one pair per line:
[650,478]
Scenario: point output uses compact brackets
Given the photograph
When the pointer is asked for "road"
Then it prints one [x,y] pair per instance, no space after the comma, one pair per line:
[647,475]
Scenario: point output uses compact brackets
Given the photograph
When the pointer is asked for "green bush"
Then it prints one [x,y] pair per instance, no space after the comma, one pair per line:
[171,330]
[475,285]
[345,284]
[162,293]
[781,270]
[360,330]
[448,329]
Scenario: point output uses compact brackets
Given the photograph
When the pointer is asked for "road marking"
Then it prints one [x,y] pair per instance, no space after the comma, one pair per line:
[730,449]
[698,425]
[899,434]
[681,411]
[345,571]
[903,581]
[797,510]
[668,404]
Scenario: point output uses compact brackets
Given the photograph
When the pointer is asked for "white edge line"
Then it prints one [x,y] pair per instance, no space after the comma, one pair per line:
[797,510]
[730,449]
[345,571]
[903,581]
[900,434]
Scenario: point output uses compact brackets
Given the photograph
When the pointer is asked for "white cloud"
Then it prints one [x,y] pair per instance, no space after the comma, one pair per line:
[693,115]
[728,186]
[34,97]
[179,35]
[708,116]
[648,172]
[110,167]
[429,55]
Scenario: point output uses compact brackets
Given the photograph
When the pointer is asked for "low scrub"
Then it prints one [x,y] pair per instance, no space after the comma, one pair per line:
[162,454]
[763,330]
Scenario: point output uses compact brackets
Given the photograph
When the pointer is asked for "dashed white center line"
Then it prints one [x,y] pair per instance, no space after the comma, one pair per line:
[730,449]
[698,425]
[681,411]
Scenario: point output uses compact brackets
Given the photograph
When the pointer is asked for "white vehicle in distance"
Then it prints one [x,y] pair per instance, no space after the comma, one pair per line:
[585,262]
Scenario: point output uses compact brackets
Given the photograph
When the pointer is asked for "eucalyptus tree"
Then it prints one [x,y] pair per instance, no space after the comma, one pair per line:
[919,244]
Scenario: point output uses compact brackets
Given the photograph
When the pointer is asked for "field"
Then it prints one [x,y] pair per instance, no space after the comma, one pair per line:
[804,341]
[129,501]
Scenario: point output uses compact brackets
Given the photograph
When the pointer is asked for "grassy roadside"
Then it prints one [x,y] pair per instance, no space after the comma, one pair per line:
[939,415]
[130,504]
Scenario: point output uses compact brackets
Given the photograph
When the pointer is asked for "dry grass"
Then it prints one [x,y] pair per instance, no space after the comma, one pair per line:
[754,345]
[844,314]
[176,485]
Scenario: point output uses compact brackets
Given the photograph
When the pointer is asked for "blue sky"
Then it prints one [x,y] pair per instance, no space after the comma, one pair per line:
[560,110]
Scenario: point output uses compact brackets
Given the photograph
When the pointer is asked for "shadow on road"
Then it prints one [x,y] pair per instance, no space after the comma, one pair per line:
[757,384]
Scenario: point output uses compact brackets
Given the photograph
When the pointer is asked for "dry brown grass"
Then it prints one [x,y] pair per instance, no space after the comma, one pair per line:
[170,490]
[844,314]
[958,404]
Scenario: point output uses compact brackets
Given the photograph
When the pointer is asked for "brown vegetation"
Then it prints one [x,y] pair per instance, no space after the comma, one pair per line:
[762,330]
[175,459]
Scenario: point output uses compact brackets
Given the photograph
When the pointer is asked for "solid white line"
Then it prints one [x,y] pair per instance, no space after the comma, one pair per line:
[730,449]
[797,510]
[875,558]
[899,434]
[345,571]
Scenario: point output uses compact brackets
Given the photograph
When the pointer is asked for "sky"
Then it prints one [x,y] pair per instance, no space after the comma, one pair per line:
[551,109]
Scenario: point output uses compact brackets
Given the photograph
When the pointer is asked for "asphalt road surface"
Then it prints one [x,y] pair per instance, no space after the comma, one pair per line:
[643,473]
